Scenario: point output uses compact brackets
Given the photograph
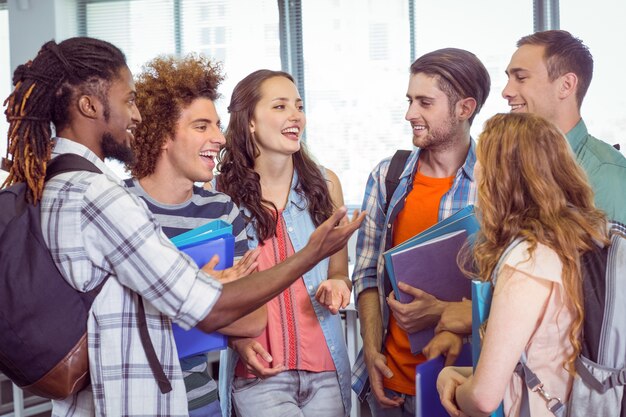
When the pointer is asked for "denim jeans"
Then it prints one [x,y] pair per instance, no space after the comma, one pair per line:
[405,410]
[289,394]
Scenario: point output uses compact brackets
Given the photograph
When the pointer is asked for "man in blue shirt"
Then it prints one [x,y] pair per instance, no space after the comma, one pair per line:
[447,88]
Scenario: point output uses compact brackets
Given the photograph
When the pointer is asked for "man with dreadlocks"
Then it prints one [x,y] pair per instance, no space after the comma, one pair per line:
[96,228]
[175,149]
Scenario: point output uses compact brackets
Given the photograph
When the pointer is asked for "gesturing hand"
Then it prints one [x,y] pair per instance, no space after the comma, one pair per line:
[245,266]
[333,294]
[333,234]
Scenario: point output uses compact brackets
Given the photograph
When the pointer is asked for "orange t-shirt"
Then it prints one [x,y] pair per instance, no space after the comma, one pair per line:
[420,211]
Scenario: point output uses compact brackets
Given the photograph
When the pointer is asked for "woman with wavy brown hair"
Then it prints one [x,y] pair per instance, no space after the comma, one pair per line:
[529,187]
[299,366]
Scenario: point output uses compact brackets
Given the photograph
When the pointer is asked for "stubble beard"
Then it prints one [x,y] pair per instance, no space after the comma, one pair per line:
[441,138]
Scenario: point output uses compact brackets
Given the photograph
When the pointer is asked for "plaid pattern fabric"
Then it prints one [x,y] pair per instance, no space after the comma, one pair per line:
[375,233]
[96,228]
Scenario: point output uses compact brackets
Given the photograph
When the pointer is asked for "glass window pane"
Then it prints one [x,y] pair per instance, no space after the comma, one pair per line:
[604,106]
[495,27]
[242,41]
[142,29]
[356,71]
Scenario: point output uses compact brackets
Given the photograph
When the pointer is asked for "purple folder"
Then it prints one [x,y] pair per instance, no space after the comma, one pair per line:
[432,267]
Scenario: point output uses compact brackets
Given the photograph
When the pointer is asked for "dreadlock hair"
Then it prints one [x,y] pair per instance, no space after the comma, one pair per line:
[44,89]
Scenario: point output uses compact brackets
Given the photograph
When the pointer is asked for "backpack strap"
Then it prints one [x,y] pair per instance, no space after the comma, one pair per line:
[70,162]
[532,382]
[505,254]
[398,161]
[157,369]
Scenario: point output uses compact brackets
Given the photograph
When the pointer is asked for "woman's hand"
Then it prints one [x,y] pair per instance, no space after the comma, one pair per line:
[333,294]
[252,354]
[447,382]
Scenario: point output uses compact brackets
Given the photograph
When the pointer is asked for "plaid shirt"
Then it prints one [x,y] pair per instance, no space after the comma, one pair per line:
[96,228]
[375,234]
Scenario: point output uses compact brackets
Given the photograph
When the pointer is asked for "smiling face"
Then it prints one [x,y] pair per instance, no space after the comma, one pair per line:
[529,89]
[278,120]
[429,113]
[121,117]
[197,140]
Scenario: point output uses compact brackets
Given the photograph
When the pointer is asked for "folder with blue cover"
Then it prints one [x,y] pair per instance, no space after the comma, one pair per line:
[201,244]
[482,292]
[428,261]
[463,219]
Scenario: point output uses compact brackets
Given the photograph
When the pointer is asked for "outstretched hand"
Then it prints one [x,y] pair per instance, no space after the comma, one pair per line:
[244,266]
[333,234]
[333,294]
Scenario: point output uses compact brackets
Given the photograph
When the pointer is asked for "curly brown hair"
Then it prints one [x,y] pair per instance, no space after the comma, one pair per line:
[532,187]
[165,86]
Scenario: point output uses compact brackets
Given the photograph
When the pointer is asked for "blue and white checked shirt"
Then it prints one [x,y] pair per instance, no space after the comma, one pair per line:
[375,234]
[96,228]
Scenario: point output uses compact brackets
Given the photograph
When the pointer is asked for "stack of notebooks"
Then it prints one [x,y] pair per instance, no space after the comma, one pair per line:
[428,261]
[201,244]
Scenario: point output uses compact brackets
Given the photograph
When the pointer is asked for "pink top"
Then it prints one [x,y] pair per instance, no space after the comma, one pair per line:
[549,346]
[293,335]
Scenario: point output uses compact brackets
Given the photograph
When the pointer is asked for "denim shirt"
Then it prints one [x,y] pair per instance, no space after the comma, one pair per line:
[375,234]
[299,227]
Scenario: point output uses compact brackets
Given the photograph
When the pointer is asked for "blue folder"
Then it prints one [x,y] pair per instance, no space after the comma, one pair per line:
[463,219]
[203,233]
[482,293]
[201,250]
[427,403]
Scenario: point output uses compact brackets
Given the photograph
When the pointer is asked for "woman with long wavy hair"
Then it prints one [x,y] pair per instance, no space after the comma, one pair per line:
[299,365]
[529,187]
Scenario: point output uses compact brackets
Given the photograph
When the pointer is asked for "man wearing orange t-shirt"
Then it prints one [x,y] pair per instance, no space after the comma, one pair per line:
[447,88]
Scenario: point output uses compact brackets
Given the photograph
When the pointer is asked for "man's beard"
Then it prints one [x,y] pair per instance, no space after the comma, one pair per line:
[115,150]
[440,138]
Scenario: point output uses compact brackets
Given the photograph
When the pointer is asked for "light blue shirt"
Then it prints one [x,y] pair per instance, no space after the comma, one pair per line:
[299,228]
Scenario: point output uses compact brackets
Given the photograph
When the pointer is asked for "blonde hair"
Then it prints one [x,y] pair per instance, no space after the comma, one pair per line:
[532,187]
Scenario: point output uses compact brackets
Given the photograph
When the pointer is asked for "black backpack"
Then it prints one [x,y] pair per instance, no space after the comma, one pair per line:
[43,319]
[396,166]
